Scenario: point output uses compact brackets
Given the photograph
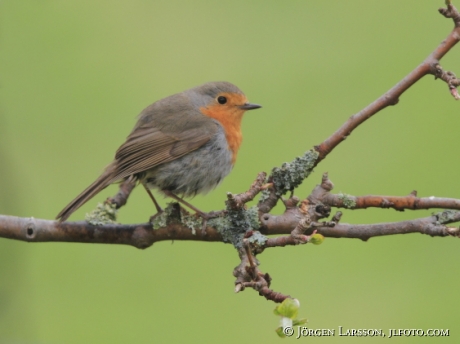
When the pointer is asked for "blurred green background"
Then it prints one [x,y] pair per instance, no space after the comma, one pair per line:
[74,75]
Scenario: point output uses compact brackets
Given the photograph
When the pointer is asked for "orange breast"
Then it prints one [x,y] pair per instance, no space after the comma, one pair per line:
[230,119]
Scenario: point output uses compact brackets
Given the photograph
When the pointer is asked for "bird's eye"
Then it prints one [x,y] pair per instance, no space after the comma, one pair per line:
[222,100]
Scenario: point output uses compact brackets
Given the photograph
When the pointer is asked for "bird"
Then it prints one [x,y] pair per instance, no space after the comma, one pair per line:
[181,145]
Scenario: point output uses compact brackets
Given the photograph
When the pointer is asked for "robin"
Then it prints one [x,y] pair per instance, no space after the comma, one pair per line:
[184,144]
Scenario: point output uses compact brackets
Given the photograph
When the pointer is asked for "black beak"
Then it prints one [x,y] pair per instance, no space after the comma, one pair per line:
[250,106]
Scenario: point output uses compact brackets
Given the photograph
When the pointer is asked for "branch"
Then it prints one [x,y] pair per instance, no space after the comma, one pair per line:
[143,235]
[429,66]
[396,202]
[301,221]
[248,275]
[137,235]
[429,226]
[449,77]
[121,197]
[304,220]
[321,194]
[433,226]
[451,12]
[237,201]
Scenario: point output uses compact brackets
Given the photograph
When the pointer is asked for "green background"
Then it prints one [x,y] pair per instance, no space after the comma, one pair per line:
[74,74]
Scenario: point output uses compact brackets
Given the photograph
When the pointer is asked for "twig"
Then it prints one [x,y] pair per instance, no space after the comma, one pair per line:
[429,226]
[255,188]
[321,195]
[392,96]
[396,202]
[121,197]
[449,77]
[451,12]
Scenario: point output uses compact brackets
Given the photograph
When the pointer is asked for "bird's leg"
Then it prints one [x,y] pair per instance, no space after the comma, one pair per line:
[180,200]
[159,210]
[203,215]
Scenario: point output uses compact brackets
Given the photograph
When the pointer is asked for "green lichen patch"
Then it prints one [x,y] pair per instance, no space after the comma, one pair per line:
[221,223]
[348,201]
[258,239]
[175,213]
[264,195]
[161,220]
[192,221]
[446,216]
[252,215]
[291,174]
[235,224]
[104,214]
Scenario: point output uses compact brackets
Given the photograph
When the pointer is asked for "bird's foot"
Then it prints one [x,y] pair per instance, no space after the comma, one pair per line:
[199,213]
[211,214]
[153,217]
[208,216]
[173,210]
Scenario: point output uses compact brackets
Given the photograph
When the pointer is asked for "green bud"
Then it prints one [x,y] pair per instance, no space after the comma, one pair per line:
[280,332]
[316,239]
[288,308]
[299,322]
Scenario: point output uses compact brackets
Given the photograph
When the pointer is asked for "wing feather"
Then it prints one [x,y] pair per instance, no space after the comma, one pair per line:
[143,152]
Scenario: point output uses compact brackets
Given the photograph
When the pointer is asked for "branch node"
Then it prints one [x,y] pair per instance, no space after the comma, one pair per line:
[448,77]
[266,186]
[29,229]
[232,202]
[239,287]
[322,211]
[451,12]
[304,206]
[453,231]
[291,202]
[386,204]
[454,93]
[326,183]
[336,218]
[258,185]
[329,224]
[272,295]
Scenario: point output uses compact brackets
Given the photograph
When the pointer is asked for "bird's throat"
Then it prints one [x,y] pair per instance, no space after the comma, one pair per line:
[231,122]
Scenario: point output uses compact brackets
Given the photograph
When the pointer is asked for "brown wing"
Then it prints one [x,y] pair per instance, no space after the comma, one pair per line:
[148,147]
[145,148]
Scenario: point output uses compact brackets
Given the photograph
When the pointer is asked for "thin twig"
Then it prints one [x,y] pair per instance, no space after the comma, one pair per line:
[392,96]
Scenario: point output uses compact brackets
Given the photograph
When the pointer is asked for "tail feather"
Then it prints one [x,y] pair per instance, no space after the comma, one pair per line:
[98,185]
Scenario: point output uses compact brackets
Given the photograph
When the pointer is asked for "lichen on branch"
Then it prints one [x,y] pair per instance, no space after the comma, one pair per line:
[291,174]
